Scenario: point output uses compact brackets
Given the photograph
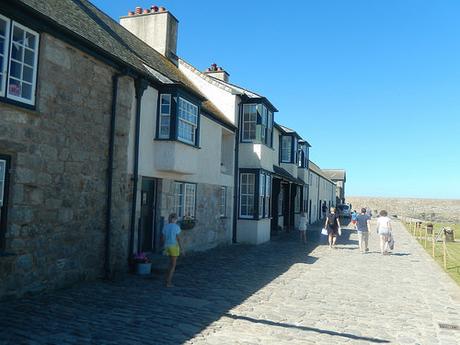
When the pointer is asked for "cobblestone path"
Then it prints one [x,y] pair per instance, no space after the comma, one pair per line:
[277,293]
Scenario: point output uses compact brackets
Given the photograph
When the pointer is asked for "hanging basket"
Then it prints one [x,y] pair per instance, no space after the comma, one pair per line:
[187,224]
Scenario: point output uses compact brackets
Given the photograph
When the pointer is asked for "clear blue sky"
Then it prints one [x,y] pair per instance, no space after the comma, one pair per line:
[374,86]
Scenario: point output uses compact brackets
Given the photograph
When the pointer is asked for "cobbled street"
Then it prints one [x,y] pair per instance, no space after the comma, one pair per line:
[281,292]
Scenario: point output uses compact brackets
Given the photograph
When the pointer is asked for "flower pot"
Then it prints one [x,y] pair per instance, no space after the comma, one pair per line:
[143,268]
[187,224]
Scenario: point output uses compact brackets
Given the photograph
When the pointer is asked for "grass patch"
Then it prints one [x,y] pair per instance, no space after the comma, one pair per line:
[453,249]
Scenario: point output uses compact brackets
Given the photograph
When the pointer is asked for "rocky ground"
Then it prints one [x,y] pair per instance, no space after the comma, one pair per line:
[437,210]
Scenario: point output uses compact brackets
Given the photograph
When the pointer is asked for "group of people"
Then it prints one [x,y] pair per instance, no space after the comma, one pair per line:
[362,224]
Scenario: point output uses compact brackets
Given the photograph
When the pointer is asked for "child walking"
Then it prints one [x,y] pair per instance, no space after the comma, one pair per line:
[172,245]
[303,227]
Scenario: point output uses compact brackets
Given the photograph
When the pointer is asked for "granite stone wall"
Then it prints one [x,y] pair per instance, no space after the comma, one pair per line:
[211,229]
[56,232]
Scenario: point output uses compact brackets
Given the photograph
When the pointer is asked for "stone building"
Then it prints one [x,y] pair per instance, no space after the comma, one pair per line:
[339,176]
[322,190]
[77,92]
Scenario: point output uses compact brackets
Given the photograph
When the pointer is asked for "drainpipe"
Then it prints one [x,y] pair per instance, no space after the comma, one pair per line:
[140,86]
[236,177]
[108,215]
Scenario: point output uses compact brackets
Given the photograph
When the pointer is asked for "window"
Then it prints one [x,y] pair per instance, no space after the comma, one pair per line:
[297,199]
[4,40]
[249,122]
[286,149]
[257,124]
[165,116]
[302,158]
[261,195]
[281,201]
[223,201]
[18,61]
[188,121]
[268,193]
[247,185]
[305,199]
[184,199]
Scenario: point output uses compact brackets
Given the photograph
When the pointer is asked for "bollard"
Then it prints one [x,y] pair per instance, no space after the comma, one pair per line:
[444,249]
[426,235]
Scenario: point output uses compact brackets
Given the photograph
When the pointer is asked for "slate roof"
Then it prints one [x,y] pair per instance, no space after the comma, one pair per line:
[283,173]
[229,87]
[317,170]
[335,174]
[84,21]
[286,130]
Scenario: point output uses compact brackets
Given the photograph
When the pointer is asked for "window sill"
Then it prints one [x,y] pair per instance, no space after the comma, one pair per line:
[15,105]
[178,141]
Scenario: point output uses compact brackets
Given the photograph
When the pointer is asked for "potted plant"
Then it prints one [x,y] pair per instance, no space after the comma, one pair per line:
[187,223]
[143,264]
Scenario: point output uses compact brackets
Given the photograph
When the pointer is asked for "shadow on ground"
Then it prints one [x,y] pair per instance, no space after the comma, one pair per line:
[141,310]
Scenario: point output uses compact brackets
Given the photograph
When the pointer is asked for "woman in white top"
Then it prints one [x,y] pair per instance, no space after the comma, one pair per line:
[303,227]
[384,230]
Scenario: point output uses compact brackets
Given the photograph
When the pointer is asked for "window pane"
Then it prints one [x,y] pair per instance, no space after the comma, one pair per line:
[188,120]
[26,90]
[29,57]
[14,87]
[27,74]
[15,70]
[286,142]
[18,35]
[3,25]
[30,41]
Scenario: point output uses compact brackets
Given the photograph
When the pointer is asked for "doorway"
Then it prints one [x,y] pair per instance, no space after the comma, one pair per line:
[149,236]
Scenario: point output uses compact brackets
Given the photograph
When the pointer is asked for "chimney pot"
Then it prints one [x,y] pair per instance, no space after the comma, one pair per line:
[130,13]
[154,8]
[146,11]
[162,9]
[138,10]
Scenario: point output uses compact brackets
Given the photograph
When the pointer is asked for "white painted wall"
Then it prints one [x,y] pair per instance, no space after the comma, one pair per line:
[224,100]
[253,232]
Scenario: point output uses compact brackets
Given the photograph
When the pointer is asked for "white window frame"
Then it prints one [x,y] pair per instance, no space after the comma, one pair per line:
[223,201]
[164,115]
[286,150]
[5,54]
[248,119]
[184,199]
[34,67]
[248,194]
[262,187]
[268,191]
[188,122]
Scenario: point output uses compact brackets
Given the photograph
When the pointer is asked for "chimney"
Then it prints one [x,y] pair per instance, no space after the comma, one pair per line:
[156,26]
[217,72]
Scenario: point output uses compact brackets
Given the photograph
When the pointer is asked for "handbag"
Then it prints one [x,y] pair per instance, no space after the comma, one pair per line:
[391,242]
[323,231]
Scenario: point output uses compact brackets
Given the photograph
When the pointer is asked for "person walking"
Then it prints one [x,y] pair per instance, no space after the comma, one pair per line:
[354,215]
[384,230]
[172,246]
[324,209]
[332,225]
[303,227]
[363,225]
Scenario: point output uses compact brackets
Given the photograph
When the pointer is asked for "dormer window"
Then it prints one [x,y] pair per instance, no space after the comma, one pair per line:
[257,124]
[178,119]
[288,149]
[302,156]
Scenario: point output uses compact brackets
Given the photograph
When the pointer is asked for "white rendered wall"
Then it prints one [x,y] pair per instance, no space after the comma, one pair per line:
[226,102]
[253,231]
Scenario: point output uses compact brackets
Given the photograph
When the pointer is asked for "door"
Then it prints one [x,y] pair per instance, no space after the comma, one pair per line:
[148,239]
[4,186]
[276,190]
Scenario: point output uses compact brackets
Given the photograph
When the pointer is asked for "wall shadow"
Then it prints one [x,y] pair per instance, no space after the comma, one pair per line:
[208,286]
